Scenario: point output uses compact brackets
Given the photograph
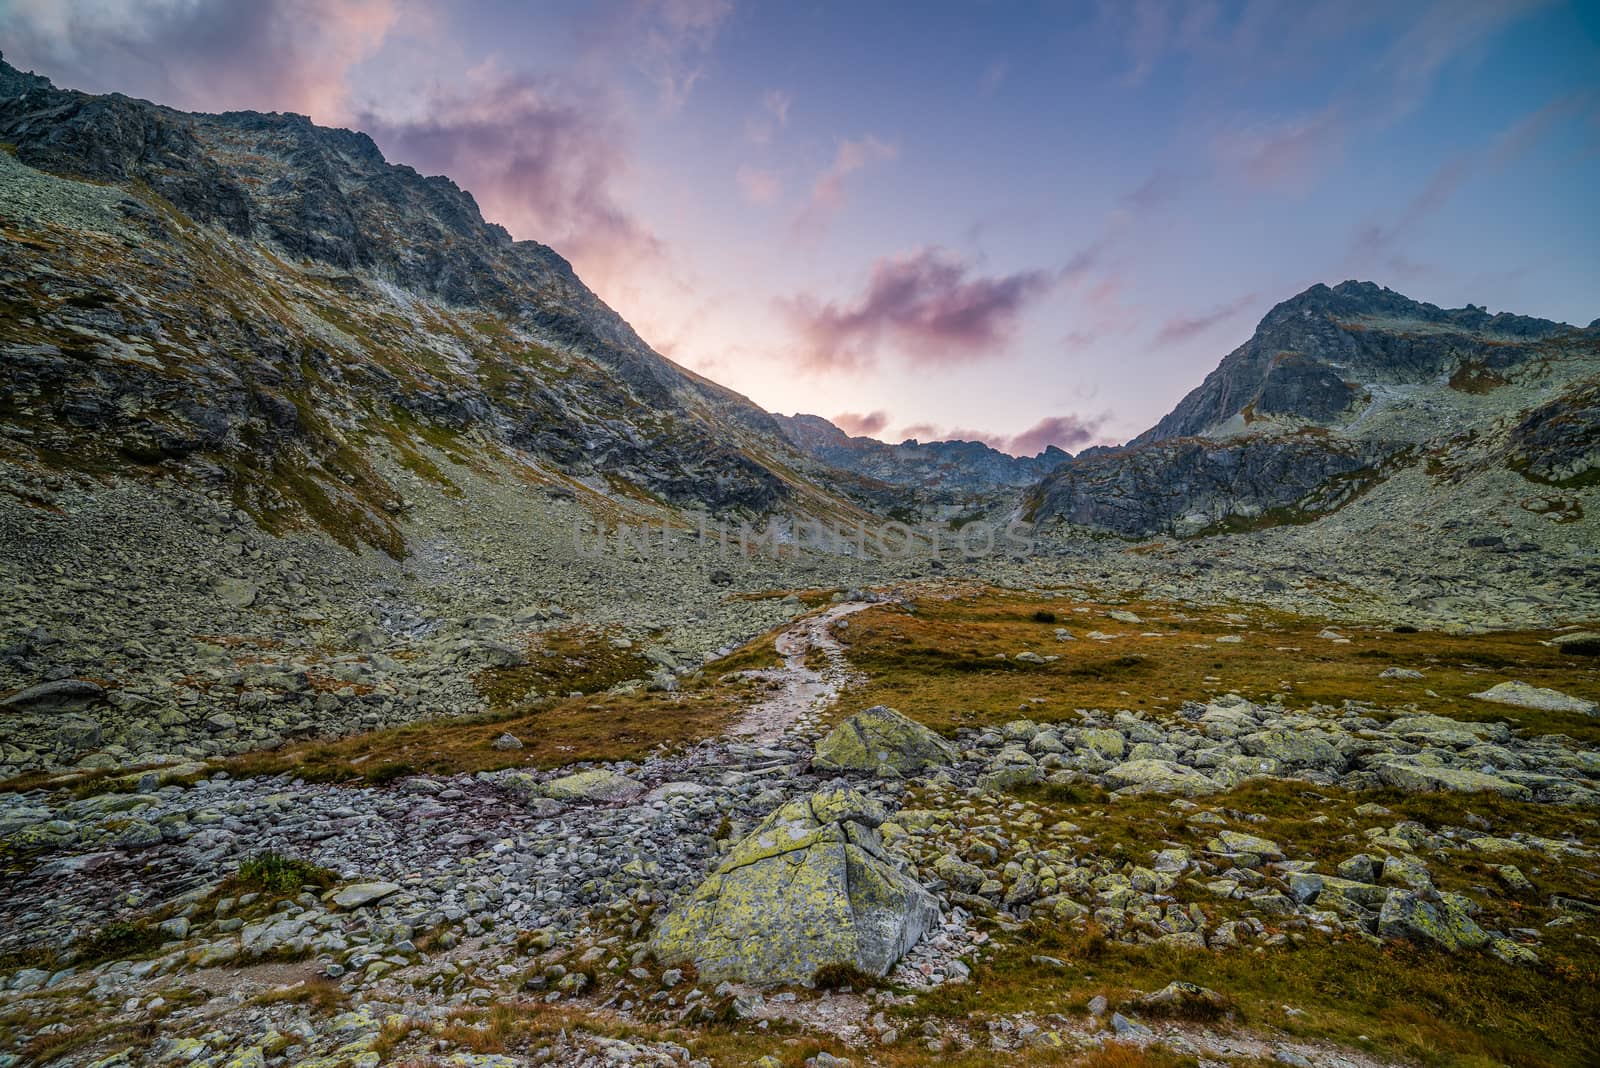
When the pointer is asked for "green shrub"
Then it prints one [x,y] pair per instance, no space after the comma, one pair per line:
[281,876]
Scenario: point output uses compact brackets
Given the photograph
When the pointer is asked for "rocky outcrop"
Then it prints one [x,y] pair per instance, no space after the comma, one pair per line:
[1559,441]
[1192,486]
[811,886]
[880,741]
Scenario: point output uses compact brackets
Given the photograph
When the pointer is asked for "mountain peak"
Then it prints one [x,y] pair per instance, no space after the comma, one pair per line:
[1312,356]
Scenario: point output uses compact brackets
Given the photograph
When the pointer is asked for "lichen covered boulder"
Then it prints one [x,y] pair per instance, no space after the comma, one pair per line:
[598,785]
[1521,695]
[1160,777]
[811,886]
[883,742]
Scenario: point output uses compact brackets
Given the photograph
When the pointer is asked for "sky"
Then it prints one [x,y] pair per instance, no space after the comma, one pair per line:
[1028,224]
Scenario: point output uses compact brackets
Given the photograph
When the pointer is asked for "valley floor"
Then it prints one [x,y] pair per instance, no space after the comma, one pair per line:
[1355,859]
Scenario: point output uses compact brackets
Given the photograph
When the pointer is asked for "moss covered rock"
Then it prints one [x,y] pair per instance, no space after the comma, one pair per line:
[597,785]
[811,886]
[882,741]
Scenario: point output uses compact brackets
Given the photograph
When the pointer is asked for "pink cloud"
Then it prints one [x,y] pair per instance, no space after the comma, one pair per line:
[1282,155]
[758,186]
[827,192]
[858,425]
[928,305]
[282,55]
[539,157]
[1181,328]
[1067,432]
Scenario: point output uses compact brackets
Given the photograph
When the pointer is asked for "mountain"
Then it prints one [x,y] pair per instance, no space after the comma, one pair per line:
[1337,390]
[938,467]
[254,302]
[1317,358]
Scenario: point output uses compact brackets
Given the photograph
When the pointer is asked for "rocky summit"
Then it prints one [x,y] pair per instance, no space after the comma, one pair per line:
[401,662]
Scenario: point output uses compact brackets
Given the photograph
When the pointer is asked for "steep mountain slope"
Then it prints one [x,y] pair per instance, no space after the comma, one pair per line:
[939,467]
[1318,357]
[254,301]
[1337,390]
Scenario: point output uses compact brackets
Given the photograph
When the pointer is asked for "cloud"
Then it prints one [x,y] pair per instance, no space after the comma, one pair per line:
[667,41]
[929,305]
[1182,328]
[827,192]
[1443,31]
[1069,432]
[1381,243]
[1162,187]
[993,75]
[1285,154]
[759,186]
[856,424]
[541,157]
[774,115]
[285,55]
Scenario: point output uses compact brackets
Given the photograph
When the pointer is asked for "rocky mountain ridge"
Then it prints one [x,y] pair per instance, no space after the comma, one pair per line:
[1337,389]
[937,467]
[257,302]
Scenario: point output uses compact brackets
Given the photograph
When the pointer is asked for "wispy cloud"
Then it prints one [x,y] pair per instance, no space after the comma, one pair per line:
[669,41]
[828,192]
[1284,154]
[993,75]
[931,306]
[1182,328]
[1162,187]
[773,116]
[759,186]
[1381,244]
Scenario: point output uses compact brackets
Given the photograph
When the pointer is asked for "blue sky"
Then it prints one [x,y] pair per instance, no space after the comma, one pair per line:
[1030,223]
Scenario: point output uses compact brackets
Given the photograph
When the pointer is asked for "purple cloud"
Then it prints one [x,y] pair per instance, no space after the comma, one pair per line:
[1063,431]
[1068,432]
[928,305]
[857,424]
[759,186]
[540,157]
[1181,328]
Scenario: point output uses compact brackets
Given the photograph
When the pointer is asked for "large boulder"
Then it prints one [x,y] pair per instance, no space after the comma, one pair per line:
[62,695]
[812,885]
[1521,695]
[1303,748]
[598,785]
[1420,778]
[882,741]
[1160,777]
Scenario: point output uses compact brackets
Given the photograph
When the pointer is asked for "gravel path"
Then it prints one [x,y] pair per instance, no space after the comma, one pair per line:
[800,691]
